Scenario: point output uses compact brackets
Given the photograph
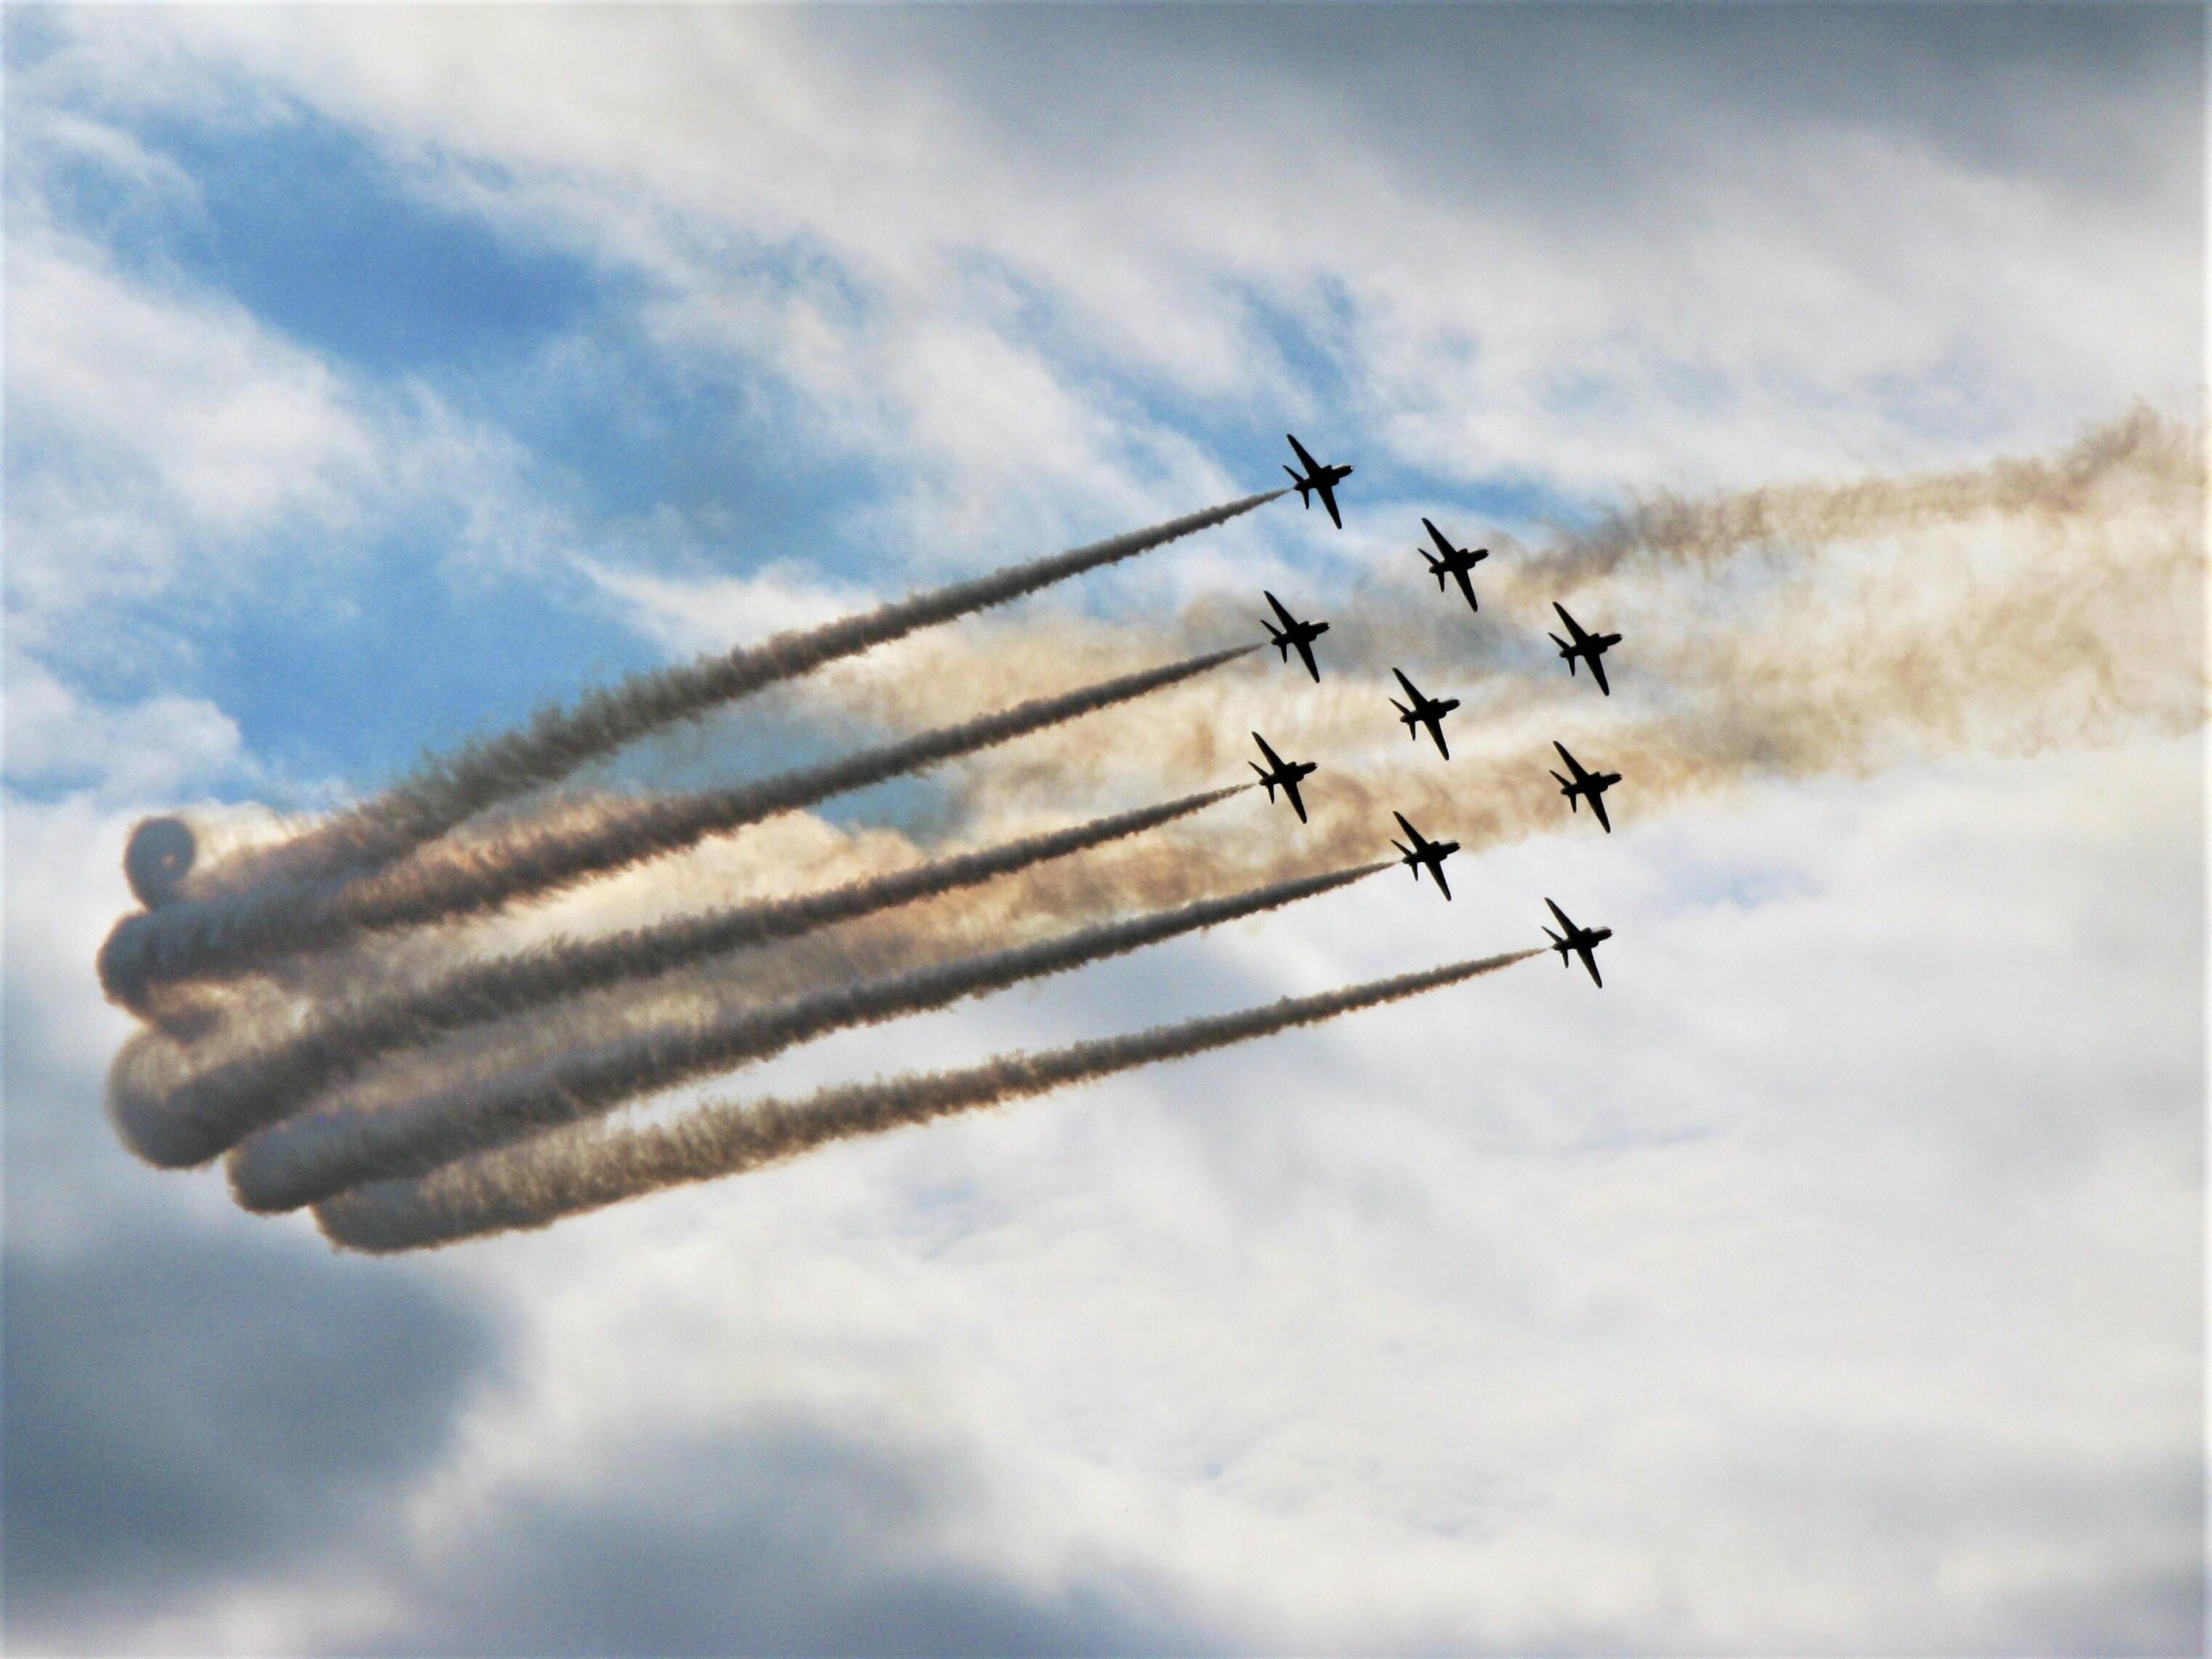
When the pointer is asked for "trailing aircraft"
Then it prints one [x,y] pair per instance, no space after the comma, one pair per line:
[1283,772]
[1583,941]
[1588,646]
[1591,786]
[1324,479]
[1293,633]
[1449,561]
[1425,852]
[1427,711]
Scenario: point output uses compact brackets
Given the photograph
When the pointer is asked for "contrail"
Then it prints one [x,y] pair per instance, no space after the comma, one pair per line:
[537,1184]
[208,1113]
[1702,530]
[557,741]
[201,938]
[309,1157]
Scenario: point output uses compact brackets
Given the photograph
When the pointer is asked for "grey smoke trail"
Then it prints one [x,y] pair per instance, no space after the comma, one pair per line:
[535,1185]
[309,1157]
[208,1113]
[557,741]
[204,938]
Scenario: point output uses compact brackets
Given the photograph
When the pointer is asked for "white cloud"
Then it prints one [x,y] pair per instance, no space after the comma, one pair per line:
[988,286]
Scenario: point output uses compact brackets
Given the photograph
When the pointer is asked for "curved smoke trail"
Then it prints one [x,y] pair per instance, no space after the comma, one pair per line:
[539,1183]
[204,939]
[207,1114]
[311,1157]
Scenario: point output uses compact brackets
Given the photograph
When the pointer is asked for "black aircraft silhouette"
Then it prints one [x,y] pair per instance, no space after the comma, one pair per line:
[1286,773]
[1427,711]
[1449,561]
[1583,941]
[1293,633]
[1588,646]
[1590,785]
[1431,852]
[1317,476]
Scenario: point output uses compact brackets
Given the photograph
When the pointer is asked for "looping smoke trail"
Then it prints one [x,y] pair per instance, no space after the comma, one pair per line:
[207,1114]
[535,1185]
[557,741]
[196,939]
[309,1157]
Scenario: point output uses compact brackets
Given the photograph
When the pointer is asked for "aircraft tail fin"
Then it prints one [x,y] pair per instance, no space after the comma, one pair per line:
[1264,778]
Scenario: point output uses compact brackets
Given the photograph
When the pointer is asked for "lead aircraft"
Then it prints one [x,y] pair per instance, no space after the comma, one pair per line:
[1583,941]
[1591,786]
[1588,646]
[1324,479]
[1427,711]
[1424,852]
[1283,772]
[1293,633]
[1449,561]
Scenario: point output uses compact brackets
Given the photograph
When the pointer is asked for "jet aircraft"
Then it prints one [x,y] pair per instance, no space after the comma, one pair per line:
[1431,852]
[1286,773]
[1588,646]
[1583,941]
[1590,785]
[1318,477]
[1449,561]
[1294,632]
[1427,711]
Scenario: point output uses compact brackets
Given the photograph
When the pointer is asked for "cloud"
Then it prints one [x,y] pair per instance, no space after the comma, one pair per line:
[187,1412]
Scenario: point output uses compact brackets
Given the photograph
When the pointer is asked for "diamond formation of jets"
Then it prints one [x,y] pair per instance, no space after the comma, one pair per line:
[1433,853]
[1284,773]
[1583,941]
[1426,711]
[1590,785]
[1448,561]
[1588,646]
[1294,632]
[1317,479]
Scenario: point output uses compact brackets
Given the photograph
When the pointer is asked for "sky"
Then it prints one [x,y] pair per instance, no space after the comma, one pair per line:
[1832,1281]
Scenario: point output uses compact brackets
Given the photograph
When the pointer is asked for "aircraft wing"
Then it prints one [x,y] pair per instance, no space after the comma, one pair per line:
[1289,620]
[1468,588]
[1590,961]
[1305,655]
[1437,871]
[1436,725]
[1274,759]
[1597,805]
[1311,465]
[1409,829]
[1436,536]
[1328,499]
[1556,911]
[1597,673]
[1573,765]
[1290,788]
[1410,690]
[1574,627]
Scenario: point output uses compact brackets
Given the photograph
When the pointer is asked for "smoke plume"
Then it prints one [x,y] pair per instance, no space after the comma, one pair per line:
[207,1113]
[206,938]
[557,741]
[537,1184]
[313,1156]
